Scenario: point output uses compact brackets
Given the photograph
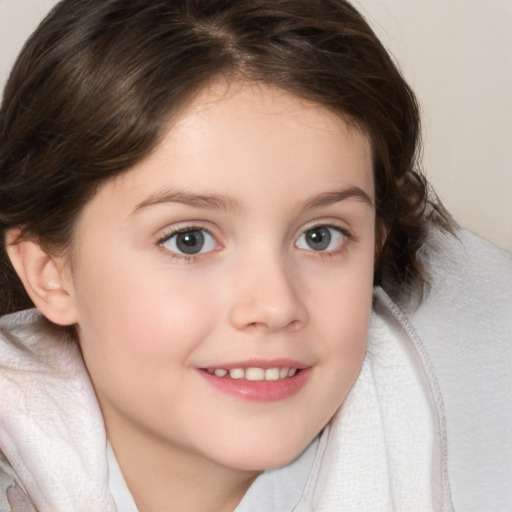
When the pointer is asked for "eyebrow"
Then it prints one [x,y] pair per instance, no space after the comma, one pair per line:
[329,198]
[208,201]
[220,202]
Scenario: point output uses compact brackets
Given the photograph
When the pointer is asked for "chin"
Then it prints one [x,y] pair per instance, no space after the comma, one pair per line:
[263,456]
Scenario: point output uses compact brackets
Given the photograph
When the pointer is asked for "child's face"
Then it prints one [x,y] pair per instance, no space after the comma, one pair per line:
[246,240]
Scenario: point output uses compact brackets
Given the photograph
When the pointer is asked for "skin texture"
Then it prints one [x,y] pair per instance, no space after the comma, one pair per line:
[149,318]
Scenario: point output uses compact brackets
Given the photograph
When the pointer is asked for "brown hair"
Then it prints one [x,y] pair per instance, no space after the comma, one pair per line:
[94,89]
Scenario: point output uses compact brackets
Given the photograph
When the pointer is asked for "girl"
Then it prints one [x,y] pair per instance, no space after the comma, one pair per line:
[204,200]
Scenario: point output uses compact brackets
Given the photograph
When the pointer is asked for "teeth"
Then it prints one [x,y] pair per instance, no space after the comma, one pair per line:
[272,374]
[237,373]
[254,374]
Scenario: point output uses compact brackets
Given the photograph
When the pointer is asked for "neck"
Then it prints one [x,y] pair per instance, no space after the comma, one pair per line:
[163,477]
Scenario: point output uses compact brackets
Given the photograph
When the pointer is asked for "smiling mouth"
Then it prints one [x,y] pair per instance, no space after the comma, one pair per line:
[254,374]
[264,381]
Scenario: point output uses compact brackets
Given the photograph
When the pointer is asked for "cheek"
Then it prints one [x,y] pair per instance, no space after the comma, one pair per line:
[341,311]
[342,295]
[346,331]
[136,325]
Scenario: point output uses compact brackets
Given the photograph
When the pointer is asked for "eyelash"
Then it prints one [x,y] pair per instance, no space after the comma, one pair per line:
[191,258]
[346,233]
[183,258]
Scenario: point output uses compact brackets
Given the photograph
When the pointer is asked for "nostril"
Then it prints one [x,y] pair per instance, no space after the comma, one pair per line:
[294,325]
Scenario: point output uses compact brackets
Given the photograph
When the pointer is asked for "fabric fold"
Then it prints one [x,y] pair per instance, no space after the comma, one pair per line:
[51,428]
[384,451]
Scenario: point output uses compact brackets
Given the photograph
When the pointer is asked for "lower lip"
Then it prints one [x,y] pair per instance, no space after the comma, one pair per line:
[259,390]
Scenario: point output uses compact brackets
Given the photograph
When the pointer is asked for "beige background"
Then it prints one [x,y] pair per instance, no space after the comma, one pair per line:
[457,54]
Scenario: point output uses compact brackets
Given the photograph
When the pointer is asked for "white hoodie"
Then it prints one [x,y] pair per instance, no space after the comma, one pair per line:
[385,450]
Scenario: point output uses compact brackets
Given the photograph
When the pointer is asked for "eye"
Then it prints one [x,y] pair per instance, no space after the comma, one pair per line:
[321,238]
[189,242]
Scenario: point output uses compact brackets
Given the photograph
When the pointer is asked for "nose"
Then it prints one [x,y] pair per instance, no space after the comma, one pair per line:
[268,298]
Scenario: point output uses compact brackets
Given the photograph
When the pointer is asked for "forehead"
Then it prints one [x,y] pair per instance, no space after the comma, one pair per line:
[236,104]
[241,139]
[229,122]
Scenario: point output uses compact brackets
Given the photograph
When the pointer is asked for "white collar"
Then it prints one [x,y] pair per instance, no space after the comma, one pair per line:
[384,451]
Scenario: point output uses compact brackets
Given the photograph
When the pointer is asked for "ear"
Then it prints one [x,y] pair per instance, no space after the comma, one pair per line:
[381,235]
[46,278]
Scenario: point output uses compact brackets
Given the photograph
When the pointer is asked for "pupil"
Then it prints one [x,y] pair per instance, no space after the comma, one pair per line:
[318,238]
[190,242]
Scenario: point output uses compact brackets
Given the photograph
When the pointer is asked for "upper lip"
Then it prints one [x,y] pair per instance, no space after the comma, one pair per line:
[260,363]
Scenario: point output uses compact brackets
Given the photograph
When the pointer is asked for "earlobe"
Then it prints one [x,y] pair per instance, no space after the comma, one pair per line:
[45,278]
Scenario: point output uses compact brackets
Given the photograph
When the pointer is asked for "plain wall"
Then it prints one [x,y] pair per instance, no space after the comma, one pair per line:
[457,55]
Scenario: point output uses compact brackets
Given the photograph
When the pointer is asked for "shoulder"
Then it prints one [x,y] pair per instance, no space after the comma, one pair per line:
[466,326]
[470,301]
[49,413]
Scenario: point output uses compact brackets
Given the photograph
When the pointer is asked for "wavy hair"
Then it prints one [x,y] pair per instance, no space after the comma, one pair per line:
[97,84]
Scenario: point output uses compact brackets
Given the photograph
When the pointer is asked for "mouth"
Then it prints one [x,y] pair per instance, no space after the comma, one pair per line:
[254,373]
[263,382]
